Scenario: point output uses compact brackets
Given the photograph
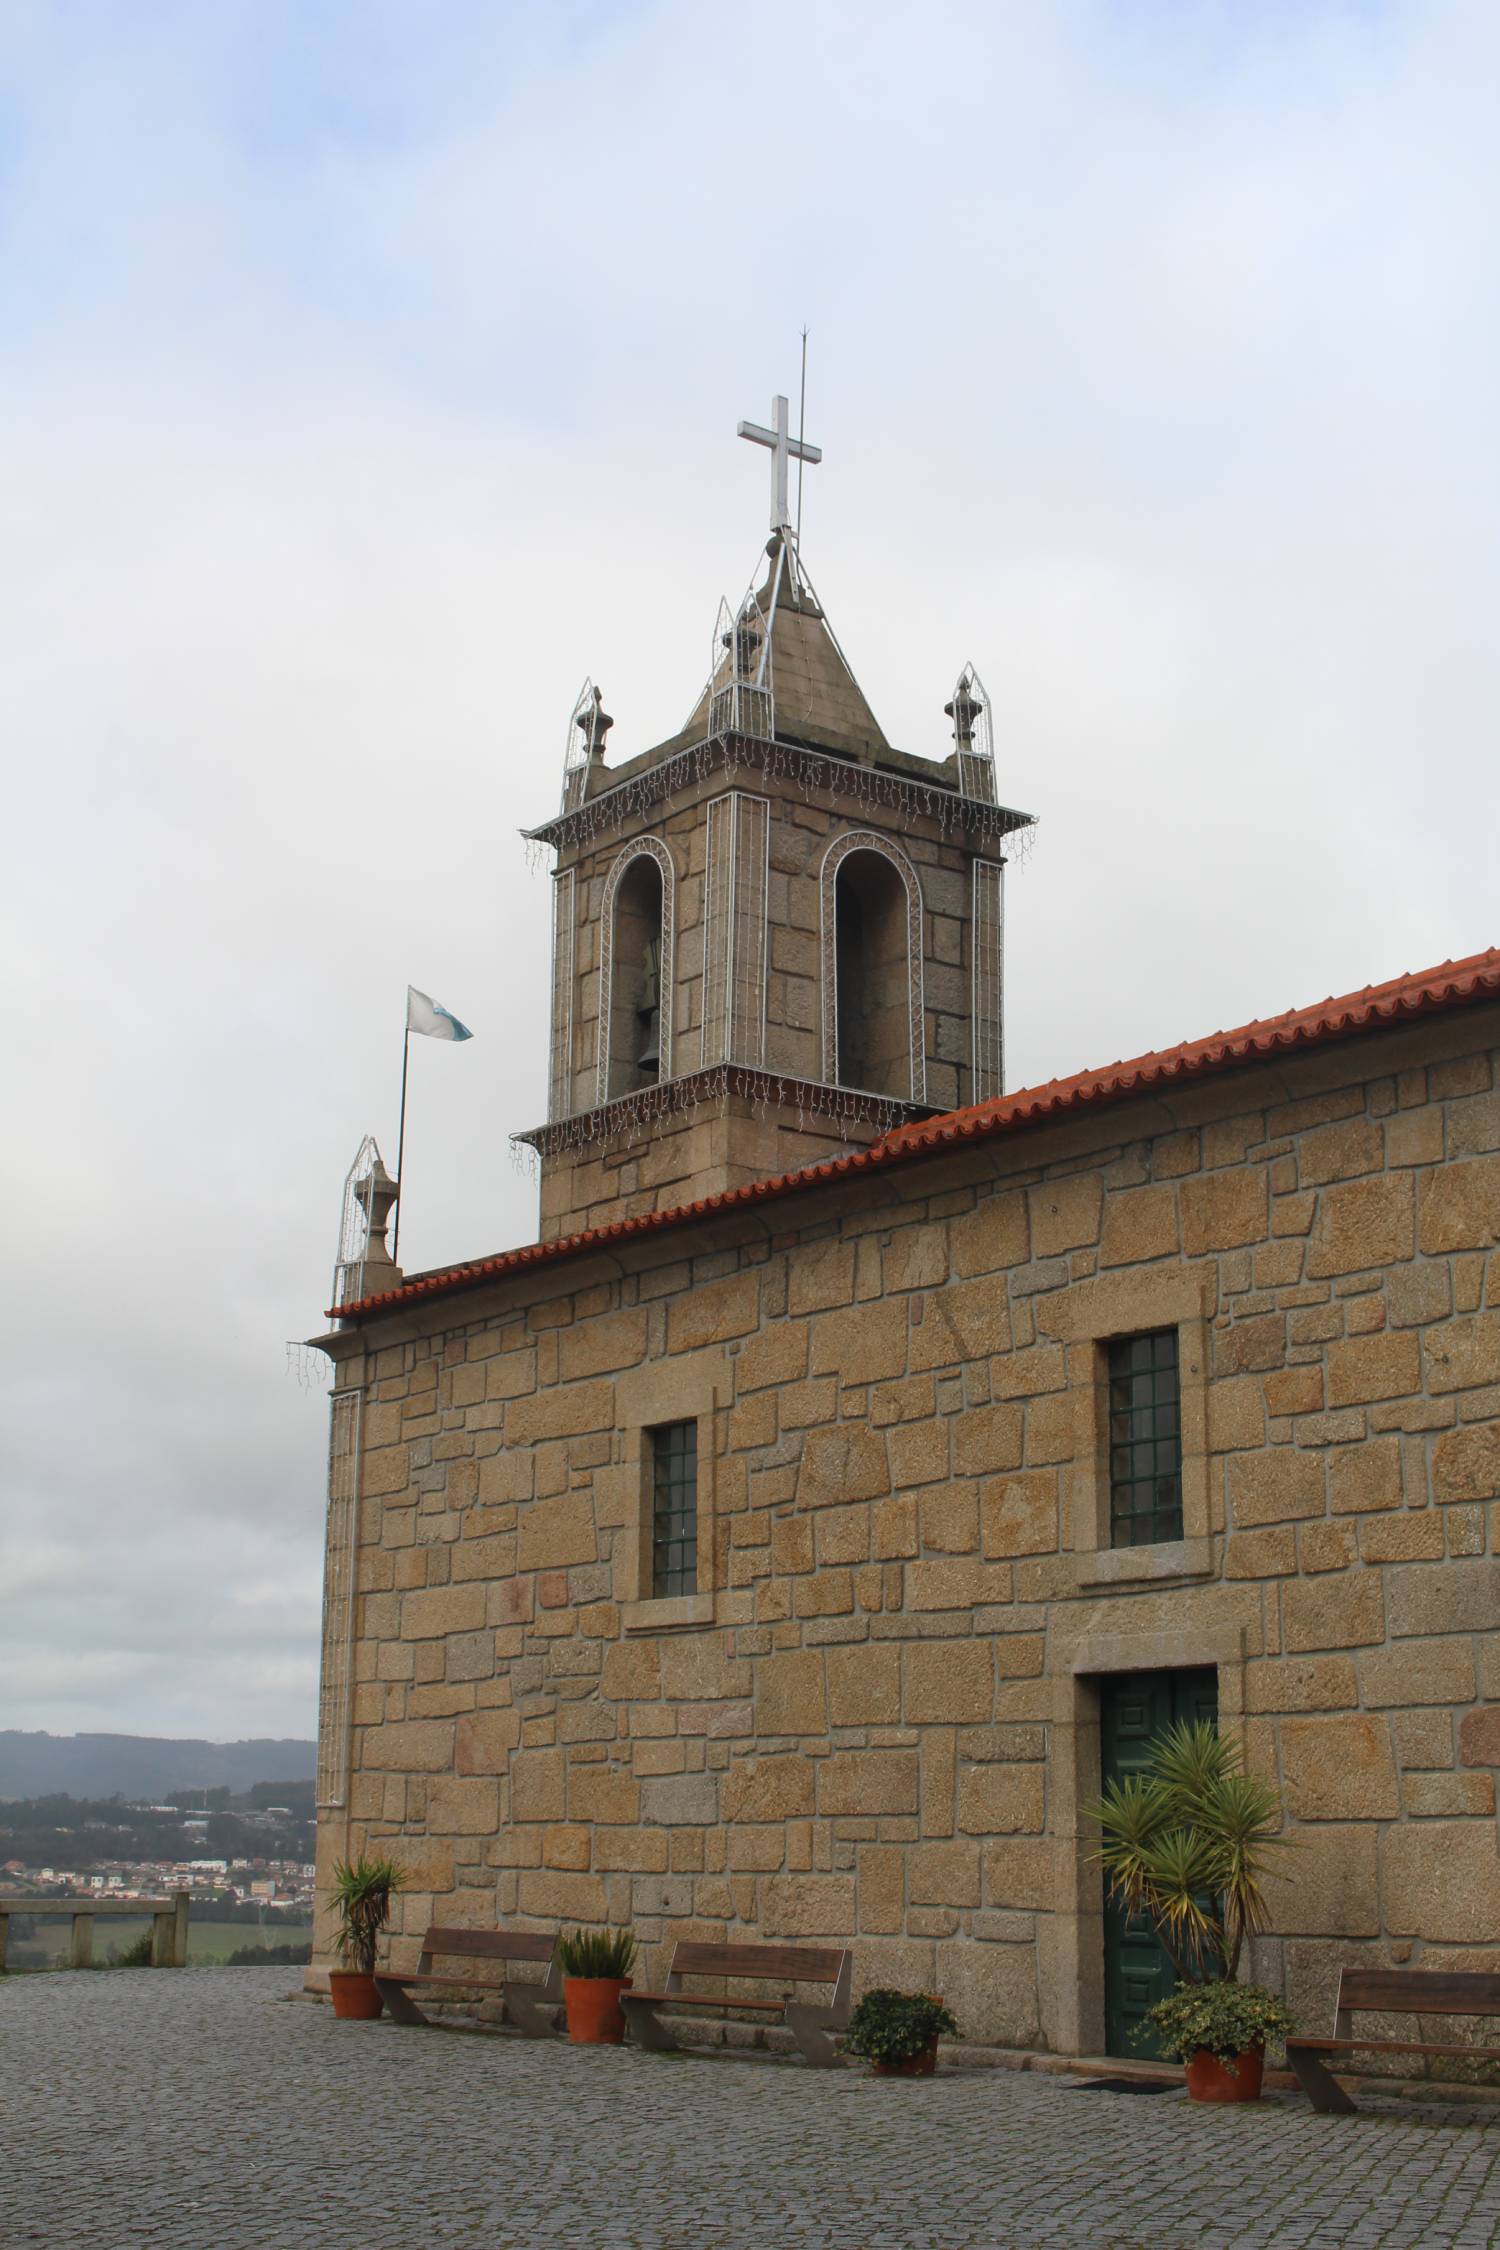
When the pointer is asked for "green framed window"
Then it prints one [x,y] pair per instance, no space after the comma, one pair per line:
[1145,1439]
[674,1509]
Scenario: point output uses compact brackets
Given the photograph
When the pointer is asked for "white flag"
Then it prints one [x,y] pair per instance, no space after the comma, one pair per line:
[423,1014]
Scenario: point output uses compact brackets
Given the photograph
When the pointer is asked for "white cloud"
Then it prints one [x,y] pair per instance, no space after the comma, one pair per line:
[370,381]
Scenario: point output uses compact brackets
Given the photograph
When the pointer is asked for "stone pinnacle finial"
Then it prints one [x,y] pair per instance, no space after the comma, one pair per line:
[595,722]
[375,1194]
[743,639]
[963,710]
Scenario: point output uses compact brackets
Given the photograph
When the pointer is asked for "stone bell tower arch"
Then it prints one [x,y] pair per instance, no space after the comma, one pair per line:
[719,898]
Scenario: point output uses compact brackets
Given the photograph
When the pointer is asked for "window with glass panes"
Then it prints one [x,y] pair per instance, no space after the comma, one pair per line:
[1145,1439]
[674,1509]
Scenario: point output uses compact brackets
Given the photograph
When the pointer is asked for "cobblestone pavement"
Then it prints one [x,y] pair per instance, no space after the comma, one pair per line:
[209,2109]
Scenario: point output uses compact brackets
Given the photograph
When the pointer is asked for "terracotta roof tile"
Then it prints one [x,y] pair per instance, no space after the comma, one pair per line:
[1453,984]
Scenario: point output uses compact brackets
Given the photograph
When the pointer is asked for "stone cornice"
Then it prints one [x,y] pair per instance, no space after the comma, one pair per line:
[871,787]
[790,1099]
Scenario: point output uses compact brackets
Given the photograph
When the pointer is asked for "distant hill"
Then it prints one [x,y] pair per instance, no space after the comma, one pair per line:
[142,1767]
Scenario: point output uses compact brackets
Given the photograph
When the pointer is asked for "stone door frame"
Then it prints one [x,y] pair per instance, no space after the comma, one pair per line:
[1072,1982]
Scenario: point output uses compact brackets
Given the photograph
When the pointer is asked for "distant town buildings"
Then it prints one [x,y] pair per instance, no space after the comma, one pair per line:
[283,1887]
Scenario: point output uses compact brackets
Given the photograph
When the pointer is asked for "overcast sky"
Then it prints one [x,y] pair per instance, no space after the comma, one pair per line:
[371,374]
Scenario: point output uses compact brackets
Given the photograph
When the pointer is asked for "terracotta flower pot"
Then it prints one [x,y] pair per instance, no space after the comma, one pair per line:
[1209,2080]
[354,1997]
[595,2017]
[920,2065]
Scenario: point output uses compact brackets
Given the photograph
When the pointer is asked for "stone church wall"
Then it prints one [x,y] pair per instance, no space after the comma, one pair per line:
[880,1720]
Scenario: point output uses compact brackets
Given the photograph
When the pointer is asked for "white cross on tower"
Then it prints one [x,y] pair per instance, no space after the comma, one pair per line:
[784,448]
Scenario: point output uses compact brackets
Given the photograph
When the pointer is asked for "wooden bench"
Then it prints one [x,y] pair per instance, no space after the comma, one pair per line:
[1416,1992]
[811,2023]
[532,2004]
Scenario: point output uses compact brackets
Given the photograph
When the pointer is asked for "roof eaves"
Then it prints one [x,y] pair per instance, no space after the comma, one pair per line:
[1432,991]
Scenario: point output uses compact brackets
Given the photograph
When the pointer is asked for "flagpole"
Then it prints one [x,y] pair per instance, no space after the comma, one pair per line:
[401,1140]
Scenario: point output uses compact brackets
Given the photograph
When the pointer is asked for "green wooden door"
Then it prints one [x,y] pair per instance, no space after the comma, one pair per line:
[1134,1708]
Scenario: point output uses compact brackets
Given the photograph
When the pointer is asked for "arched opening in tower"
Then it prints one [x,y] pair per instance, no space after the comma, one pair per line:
[636,995]
[873,977]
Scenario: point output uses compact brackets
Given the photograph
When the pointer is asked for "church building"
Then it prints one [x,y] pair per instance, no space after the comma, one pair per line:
[866,1461]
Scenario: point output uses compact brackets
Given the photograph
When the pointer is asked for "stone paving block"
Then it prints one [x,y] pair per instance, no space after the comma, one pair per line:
[121,2090]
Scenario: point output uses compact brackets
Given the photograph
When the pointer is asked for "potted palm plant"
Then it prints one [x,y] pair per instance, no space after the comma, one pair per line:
[899,2032]
[596,1967]
[362,1894]
[1185,1843]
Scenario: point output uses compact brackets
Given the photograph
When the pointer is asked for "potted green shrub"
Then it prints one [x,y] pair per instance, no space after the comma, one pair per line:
[1185,1843]
[1219,2032]
[596,1967]
[898,2032]
[362,1894]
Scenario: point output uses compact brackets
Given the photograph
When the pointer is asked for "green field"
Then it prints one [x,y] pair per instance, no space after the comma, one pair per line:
[209,1943]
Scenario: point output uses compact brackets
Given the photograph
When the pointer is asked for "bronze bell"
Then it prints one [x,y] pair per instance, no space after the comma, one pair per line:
[649,1057]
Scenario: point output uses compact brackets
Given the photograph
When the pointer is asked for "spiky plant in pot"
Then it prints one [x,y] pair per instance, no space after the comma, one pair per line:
[362,1894]
[1186,1843]
[596,1966]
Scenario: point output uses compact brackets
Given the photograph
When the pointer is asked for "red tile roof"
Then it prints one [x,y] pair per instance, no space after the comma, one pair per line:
[1454,984]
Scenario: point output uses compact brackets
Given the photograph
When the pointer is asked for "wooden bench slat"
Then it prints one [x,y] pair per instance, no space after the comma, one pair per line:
[1394,2047]
[490,1945]
[804,1964]
[484,1983]
[448,1983]
[1419,1992]
[711,2000]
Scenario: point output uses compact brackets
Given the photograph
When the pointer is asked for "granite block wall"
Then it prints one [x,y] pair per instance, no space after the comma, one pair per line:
[879,1718]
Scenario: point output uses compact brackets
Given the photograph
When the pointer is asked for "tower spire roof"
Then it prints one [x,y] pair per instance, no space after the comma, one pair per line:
[818,699]
[777,674]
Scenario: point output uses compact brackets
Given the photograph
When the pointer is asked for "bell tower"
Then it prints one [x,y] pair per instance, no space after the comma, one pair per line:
[774,936]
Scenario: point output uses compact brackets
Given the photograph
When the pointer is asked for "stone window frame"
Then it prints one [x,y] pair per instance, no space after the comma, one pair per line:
[1089,1316]
[644,847]
[870,840]
[689,1389]
[674,1506]
[1149,1357]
